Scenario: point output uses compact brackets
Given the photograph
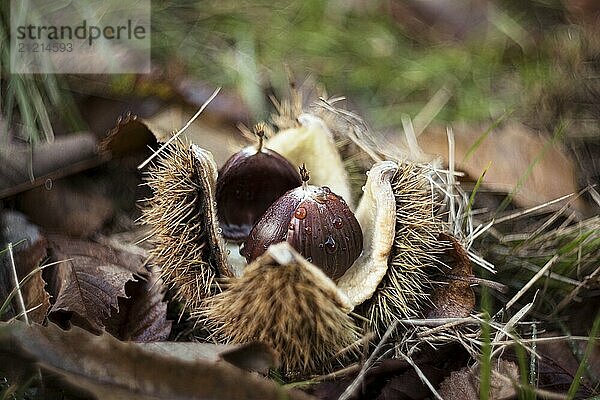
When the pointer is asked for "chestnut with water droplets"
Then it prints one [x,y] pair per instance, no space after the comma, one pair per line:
[248,183]
[316,222]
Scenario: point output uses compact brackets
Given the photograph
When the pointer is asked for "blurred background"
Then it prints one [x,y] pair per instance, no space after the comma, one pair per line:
[528,71]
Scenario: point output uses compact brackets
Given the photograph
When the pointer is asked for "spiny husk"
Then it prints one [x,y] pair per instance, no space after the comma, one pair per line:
[182,218]
[415,253]
[288,303]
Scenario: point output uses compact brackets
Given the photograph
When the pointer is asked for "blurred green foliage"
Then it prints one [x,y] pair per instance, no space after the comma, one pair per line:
[360,50]
[364,50]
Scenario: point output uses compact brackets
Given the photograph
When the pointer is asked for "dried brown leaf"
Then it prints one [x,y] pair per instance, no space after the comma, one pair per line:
[454,299]
[252,356]
[71,207]
[512,150]
[28,255]
[464,384]
[88,281]
[557,365]
[396,378]
[108,369]
[408,386]
[459,386]
[64,156]
[142,316]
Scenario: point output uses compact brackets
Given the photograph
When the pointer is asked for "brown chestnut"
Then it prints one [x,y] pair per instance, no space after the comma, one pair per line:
[313,220]
[248,183]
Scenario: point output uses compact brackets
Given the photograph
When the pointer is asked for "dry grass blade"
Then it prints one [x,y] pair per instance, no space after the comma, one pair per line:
[421,375]
[16,286]
[532,281]
[179,132]
[351,389]
[530,210]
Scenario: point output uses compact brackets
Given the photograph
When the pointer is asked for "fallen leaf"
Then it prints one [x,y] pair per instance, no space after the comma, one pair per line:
[88,281]
[556,365]
[396,378]
[464,384]
[456,298]
[142,316]
[65,156]
[253,356]
[29,251]
[409,386]
[459,386]
[108,369]
[70,207]
[187,351]
[552,176]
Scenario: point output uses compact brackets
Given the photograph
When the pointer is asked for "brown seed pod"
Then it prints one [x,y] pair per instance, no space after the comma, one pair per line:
[289,304]
[314,221]
[248,183]
[415,253]
[183,224]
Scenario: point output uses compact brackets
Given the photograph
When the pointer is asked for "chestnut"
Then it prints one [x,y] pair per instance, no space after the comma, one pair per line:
[248,183]
[313,220]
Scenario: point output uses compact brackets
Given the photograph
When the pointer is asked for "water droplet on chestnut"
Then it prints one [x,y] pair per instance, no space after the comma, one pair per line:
[337,222]
[300,213]
[330,244]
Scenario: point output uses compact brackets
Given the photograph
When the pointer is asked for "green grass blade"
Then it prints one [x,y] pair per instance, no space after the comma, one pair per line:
[584,362]
[484,136]
[477,184]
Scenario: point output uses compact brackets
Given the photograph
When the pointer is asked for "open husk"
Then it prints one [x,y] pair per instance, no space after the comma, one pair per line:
[281,298]
[416,249]
[181,214]
[376,214]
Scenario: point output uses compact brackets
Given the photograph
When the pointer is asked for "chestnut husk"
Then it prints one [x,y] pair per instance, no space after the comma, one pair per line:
[248,183]
[316,222]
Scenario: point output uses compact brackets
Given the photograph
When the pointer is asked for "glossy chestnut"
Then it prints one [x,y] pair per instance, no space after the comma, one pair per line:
[316,222]
[248,183]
